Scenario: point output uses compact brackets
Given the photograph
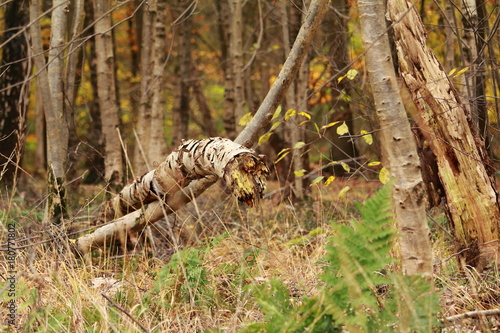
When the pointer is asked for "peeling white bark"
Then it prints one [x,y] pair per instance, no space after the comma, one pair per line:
[210,159]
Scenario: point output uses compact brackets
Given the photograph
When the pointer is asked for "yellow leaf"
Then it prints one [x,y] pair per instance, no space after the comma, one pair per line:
[463,70]
[299,145]
[351,74]
[367,137]
[300,173]
[275,125]
[282,154]
[317,129]
[452,71]
[342,129]
[289,114]
[329,180]
[305,114]
[277,112]
[330,124]
[245,119]
[317,180]
[264,137]
[345,166]
[341,78]
[384,176]
[333,162]
[374,163]
[344,191]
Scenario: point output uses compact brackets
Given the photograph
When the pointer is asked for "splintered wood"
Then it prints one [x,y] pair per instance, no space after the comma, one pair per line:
[242,169]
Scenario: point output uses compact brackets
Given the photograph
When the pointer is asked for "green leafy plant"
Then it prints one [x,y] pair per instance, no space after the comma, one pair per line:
[360,292]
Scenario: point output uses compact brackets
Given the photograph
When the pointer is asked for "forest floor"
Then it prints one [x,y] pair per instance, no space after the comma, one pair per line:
[198,273]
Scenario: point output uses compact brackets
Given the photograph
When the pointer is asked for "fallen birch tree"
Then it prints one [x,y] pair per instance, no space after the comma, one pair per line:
[242,169]
[161,203]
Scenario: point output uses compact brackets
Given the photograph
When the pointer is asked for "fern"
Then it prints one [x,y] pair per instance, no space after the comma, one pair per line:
[354,274]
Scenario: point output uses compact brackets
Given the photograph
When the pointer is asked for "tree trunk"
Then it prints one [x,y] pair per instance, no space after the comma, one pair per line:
[157,209]
[295,99]
[243,171]
[181,110]
[157,144]
[13,92]
[398,147]
[141,159]
[106,89]
[227,67]
[236,55]
[470,195]
[50,87]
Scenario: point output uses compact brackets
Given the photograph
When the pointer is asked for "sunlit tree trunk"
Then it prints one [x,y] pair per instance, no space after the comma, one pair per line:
[396,139]
[50,76]
[108,104]
[470,194]
[13,92]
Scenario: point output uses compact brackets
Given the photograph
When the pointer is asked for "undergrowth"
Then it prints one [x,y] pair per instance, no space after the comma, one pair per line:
[321,266]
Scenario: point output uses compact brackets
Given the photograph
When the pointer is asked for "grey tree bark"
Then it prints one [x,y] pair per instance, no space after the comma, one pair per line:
[398,146]
[49,80]
[108,103]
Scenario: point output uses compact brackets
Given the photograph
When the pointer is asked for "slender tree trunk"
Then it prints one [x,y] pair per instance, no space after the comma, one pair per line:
[13,93]
[470,195]
[156,128]
[141,159]
[398,146]
[106,85]
[182,108]
[227,67]
[72,79]
[336,23]
[50,87]
[296,99]
[236,55]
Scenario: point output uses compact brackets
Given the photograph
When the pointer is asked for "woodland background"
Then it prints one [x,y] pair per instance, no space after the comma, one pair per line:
[96,93]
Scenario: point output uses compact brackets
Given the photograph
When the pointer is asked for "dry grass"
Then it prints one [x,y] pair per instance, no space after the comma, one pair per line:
[236,246]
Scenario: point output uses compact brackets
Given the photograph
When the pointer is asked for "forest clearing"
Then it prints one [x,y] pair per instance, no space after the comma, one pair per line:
[249,166]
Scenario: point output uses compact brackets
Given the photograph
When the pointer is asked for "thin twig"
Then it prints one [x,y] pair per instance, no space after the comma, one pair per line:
[471,314]
[125,312]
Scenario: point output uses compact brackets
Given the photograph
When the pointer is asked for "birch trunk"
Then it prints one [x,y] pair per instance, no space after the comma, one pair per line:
[396,139]
[157,209]
[51,90]
[106,89]
[157,144]
[241,168]
[470,194]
